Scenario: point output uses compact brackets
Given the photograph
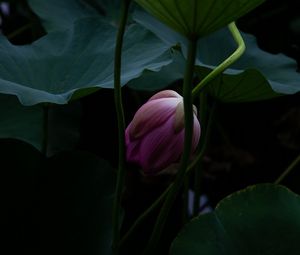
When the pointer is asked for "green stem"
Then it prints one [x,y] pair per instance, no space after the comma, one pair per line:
[163,195]
[226,63]
[288,170]
[121,126]
[188,120]
[144,215]
[19,31]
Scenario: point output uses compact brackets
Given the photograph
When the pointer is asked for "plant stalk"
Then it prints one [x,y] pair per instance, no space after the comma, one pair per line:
[121,126]
[188,120]
[295,162]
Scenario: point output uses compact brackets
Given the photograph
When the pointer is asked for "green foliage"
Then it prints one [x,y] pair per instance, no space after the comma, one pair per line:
[26,123]
[248,86]
[20,122]
[262,219]
[243,82]
[258,75]
[74,190]
[151,80]
[60,63]
[277,71]
[60,15]
[198,17]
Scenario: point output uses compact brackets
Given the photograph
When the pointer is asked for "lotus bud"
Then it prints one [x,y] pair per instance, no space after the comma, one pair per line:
[155,136]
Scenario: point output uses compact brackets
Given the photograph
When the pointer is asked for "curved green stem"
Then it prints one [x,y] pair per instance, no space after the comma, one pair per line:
[288,170]
[226,63]
[188,120]
[121,125]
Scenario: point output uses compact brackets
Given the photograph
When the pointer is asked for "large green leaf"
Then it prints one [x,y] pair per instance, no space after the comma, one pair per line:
[82,57]
[63,203]
[198,17]
[151,80]
[162,31]
[257,75]
[26,123]
[248,86]
[60,15]
[262,219]
[279,70]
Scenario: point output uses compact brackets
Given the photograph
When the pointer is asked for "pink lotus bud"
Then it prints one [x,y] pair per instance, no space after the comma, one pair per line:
[155,136]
